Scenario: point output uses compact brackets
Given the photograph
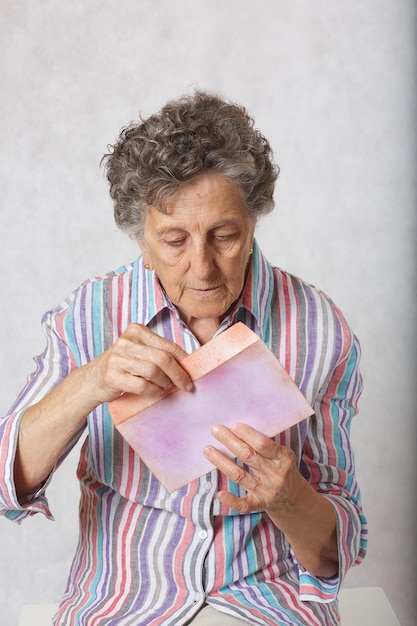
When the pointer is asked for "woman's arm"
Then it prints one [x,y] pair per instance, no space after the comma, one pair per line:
[139,362]
[274,485]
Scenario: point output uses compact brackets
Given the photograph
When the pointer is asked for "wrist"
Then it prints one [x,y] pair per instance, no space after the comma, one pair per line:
[294,499]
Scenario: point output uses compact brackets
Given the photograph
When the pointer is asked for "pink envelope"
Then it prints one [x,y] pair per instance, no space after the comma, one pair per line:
[237,379]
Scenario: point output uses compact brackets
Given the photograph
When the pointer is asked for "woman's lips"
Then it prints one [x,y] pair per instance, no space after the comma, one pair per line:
[203,292]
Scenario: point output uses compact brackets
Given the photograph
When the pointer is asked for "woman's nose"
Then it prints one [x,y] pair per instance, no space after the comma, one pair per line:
[202,261]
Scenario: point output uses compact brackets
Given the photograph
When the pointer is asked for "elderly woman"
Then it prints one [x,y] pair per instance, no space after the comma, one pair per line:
[263,539]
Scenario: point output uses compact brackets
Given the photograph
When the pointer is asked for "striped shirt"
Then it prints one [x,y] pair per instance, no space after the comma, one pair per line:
[148,557]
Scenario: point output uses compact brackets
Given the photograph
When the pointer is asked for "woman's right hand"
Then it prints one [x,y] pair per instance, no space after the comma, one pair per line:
[139,362]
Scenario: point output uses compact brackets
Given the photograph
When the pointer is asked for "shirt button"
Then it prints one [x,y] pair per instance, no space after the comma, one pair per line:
[207,487]
[203,534]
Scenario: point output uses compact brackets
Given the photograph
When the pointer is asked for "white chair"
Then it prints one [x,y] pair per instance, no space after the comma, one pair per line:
[366,606]
[37,614]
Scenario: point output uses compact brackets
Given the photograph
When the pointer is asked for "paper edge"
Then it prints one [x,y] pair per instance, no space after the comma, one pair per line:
[210,355]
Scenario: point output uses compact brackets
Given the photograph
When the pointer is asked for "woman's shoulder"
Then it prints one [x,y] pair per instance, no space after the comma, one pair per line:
[98,288]
[311,304]
[287,282]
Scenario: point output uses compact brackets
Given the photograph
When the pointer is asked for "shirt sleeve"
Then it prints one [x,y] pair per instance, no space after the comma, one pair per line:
[52,367]
[328,464]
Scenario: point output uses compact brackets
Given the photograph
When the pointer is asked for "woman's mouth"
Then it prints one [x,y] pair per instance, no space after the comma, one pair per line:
[203,291]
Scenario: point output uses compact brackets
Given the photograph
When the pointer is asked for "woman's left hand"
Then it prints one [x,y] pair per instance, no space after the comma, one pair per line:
[272,482]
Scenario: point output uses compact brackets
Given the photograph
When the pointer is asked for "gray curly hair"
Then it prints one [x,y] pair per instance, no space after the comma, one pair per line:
[200,133]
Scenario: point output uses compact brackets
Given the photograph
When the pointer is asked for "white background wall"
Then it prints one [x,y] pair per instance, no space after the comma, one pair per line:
[332,85]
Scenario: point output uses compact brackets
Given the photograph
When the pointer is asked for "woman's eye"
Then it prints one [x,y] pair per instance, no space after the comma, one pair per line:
[225,236]
[175,242]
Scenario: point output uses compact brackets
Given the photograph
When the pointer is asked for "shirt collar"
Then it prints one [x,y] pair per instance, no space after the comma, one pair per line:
[259,288]
[148,297]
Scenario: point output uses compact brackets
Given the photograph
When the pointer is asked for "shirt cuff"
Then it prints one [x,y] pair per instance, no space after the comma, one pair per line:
[351,542]
[10,506]
[316,589]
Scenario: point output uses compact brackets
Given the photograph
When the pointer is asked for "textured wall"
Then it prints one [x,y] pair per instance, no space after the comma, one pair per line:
[332,86]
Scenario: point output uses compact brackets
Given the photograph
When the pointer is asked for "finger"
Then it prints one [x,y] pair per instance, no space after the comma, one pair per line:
[260,443]
[110,374]
[270,456]
[234,472]
[162,368]
[139,333]
[267,460]
[237,474]
[131,371]
[139,386]
[155,358]
[239,448]
[242,505]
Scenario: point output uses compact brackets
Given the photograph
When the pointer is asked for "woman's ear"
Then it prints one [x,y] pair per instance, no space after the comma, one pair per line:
[145,253]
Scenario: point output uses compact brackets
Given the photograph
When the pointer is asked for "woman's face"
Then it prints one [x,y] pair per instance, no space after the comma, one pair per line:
[200,247]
